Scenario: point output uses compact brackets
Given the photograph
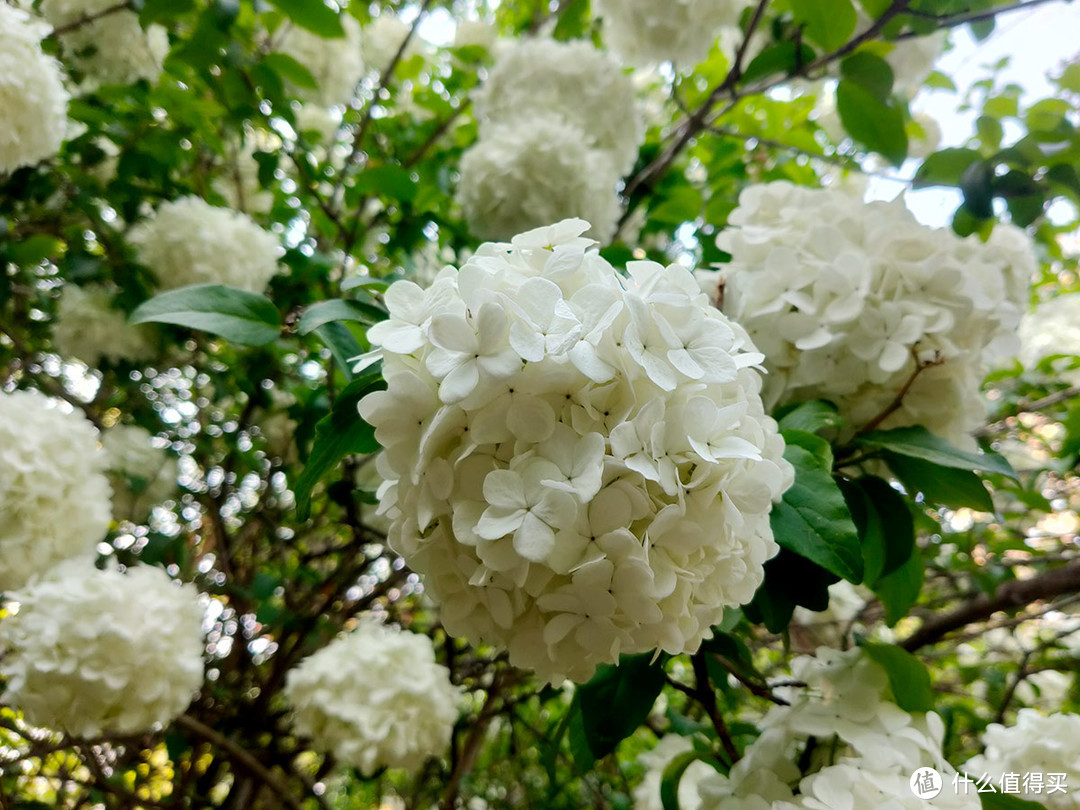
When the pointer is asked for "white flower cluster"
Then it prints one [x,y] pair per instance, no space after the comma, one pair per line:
[912,60]
[578,461]
[1035,744]
[54,496]
[532,171]
[645,32]
[32,93]
[848,299]
[647,793]
[112,48]
[400,713]
[89,328]
[189,241]
[142,474]
[558,127]
[1052,329]
[337,65]
[382,38]
[568,80]
[875,747]
[92,652]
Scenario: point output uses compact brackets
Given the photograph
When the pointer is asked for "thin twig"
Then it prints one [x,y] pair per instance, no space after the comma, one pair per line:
[86,19]
[247,761]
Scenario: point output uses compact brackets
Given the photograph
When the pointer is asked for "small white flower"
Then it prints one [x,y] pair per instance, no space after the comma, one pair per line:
[92,652]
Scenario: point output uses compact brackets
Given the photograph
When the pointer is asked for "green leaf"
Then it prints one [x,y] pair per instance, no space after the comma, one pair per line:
[918,442]
[877,124]
[617,700]
[899,591]
[990,131]
[342,344]
[870,72]
[813,519]
[341,433]
[829,23]
[790,580]
[1005,801]
[669,780]
[782,58]
[237,315]
[290,69]
[908,678]
[886,528]
[810,416]
[338,309]
[945,168]
[314,15]
[387,180]
[942,486]
[977,184]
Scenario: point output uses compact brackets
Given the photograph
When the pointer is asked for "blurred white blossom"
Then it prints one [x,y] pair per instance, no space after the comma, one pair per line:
[92,652]
[337,65]
[375,698]
[90,328]
[113,47]
[32,94]
[572,81]
[54,496]
[530,172]
[644,32]
[189,241]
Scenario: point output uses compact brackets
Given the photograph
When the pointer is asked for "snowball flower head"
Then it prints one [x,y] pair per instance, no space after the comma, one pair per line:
[577,460]
[113,48]
[1052,329]
[531,172]
[400,713]
[92,652]
[645,32]
[189,241]
[572,81]
[142,473]
[382,39]
[32,93]
[90,328]
[337,65]
[53,492]
[850,302]
[1035,744]
[864,753]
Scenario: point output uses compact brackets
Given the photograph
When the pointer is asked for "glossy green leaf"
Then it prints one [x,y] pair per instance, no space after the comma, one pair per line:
[342,433]
[829,23]
[813,520]
[810,417]
[617,700]
[876,124]
[870,72]
[314,15]
[908,677]
[237,315]
[918,442]
[338,309]
[899,591]
[941,486]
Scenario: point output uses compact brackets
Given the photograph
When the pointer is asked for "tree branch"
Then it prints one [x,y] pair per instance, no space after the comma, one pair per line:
[1011,595]
[89,18]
